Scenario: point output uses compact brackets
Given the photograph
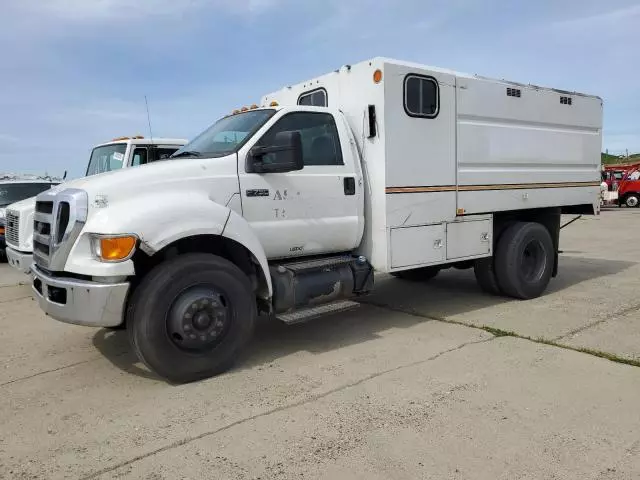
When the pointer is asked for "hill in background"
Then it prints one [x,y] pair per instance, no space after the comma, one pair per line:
[614,159]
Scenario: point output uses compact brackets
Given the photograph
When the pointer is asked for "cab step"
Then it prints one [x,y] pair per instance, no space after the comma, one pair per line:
[309,313]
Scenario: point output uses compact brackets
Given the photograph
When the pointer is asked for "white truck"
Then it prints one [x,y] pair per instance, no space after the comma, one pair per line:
[121,152]
[289,208]
[14,188]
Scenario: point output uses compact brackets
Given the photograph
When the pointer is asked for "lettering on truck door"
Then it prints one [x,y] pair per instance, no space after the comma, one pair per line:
[309,211]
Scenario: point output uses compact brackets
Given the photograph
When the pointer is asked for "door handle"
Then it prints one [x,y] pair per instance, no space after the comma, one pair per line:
[349,186]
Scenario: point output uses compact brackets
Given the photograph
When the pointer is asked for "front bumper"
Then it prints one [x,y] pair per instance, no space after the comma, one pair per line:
[80,302]
[19,260]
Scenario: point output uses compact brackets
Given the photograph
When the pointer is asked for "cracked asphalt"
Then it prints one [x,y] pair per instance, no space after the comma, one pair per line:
[423,381]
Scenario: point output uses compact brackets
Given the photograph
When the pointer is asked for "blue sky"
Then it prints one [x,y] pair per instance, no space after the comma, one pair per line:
[74,73]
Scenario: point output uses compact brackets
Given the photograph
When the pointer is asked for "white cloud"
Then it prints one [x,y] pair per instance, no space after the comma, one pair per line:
[614,20]
[7,140]
[99,10]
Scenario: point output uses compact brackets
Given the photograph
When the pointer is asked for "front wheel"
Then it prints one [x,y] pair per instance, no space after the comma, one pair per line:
[632,200]
[190,317]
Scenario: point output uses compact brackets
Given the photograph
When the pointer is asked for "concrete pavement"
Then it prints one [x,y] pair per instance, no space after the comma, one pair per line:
[391,390]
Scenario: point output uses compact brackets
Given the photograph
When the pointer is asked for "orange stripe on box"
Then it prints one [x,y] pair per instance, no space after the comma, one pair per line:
[479,188]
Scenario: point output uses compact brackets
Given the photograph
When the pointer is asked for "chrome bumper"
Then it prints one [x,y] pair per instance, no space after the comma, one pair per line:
[80,302]
[19,261]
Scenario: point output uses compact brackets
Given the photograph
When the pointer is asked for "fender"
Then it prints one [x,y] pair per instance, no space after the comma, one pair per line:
[161,223]
[239,230]
[157,221]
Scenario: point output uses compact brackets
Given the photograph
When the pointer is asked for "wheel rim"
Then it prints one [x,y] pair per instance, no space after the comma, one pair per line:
[198,318]
[632,201]
[534,260]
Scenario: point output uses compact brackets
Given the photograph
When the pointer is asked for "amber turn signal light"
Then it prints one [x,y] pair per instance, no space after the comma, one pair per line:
[113,249]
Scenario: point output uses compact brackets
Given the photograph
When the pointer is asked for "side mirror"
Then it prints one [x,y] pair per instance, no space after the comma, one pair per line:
[285,155]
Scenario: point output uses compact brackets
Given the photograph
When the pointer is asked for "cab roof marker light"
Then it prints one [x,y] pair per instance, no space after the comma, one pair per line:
[135,137]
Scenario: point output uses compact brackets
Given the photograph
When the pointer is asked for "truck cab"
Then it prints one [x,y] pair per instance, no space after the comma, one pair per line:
[119,153]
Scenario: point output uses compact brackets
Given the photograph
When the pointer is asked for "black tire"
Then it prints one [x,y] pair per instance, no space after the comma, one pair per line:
[191,316]
[632,200]
[464,265]
[524,260]
[486,276]
[117,328]
[423,274]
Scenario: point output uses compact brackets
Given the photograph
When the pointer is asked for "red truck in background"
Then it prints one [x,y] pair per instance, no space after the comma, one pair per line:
[627,178]
[612,175]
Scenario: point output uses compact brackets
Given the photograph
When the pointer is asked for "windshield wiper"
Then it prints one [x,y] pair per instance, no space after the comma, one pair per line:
[186,153]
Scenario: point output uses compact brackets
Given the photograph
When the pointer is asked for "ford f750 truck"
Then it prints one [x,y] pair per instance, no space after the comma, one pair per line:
[290,208]
[121,152]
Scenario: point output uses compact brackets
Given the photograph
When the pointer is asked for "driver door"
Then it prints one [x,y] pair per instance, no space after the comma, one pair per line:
[316,210]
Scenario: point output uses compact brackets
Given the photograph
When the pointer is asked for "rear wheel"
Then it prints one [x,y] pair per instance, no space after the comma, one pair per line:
[486,276]
[190,317]
[524,260]
[418,274]
[632,200]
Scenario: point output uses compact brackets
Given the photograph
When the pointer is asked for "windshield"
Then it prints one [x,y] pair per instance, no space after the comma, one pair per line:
[106,158]
[14,192]
[227,135]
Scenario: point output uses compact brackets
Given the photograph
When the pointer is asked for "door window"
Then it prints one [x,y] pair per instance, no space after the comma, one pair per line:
[320,141]
[161,153]
[139,157]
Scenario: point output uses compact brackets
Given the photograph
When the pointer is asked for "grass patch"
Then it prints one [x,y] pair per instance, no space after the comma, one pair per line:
[589,351]
[498,332]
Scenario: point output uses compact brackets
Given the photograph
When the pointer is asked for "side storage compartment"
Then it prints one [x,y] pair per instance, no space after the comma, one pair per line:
[469,239]
[417,246]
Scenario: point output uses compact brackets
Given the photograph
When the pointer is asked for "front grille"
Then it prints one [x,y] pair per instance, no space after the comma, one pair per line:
[44,207]
[57,223]
[41,248]
[62,221]
[42,232]
[12,229]
[42,228]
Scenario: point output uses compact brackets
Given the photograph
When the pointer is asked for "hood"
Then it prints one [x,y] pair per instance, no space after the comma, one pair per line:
[180,175]
[27,203]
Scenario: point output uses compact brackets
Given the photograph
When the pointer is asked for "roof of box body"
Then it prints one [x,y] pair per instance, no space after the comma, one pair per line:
[446,71]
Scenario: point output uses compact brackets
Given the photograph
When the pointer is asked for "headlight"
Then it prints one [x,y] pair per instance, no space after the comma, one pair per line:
[2,213]
[113,248]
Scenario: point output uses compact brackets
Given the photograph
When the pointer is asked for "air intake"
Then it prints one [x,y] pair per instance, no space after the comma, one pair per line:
[514,92]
